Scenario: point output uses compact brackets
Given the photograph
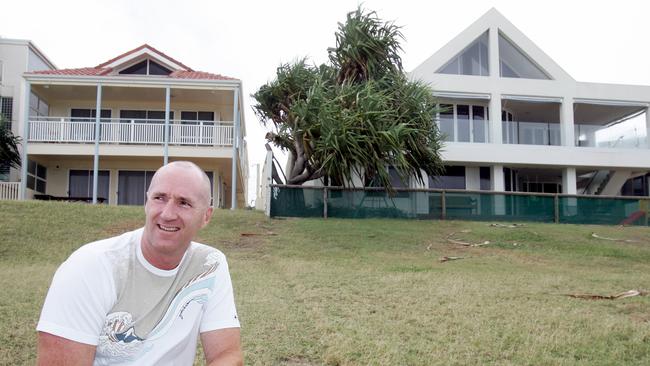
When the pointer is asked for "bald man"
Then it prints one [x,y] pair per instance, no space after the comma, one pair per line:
[144,297]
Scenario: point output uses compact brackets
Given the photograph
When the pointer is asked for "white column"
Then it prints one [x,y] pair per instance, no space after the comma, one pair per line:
[567,130]
[496,178]
[166,148]
[647,126]
[98,115]
[569,181]
[24,157]
[495,124]
[473,178]
[235,146]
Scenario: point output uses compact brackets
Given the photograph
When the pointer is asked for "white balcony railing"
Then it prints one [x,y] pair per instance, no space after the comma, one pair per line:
[9,190]
[131,131]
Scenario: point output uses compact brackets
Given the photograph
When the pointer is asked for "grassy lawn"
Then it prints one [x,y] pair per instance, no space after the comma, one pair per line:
[373,292]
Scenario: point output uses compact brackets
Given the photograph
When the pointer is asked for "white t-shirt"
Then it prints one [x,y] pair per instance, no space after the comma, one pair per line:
[106,294]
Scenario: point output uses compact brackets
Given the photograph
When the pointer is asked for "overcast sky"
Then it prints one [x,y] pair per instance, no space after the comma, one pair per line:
[596,41]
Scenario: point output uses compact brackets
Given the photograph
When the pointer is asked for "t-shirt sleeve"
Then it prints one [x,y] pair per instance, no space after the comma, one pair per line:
[81,294]
[220,311]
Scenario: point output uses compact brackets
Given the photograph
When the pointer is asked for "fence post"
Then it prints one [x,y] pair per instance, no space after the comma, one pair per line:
[556,206]
[443,206]
[324,202]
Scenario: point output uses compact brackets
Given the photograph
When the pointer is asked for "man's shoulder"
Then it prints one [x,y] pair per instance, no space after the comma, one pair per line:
[206,255]
[105,248]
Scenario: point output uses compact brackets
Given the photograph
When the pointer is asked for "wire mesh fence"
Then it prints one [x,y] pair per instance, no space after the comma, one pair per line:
[339,202]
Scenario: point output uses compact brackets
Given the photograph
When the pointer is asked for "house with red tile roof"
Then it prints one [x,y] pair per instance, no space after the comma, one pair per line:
[152,108]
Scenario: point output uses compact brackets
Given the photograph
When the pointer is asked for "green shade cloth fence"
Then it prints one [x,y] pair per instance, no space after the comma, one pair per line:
[337,202]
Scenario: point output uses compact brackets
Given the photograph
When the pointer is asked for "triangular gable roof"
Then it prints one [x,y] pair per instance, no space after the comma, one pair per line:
[112,66]
[495,20]
[145,49]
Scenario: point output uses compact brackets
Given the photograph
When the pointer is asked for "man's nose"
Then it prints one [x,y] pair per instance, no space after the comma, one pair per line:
[169,210]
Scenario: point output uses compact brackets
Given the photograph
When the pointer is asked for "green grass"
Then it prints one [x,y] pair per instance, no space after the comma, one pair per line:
[373,292]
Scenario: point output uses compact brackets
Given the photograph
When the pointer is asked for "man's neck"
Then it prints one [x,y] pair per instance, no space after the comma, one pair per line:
[161,261]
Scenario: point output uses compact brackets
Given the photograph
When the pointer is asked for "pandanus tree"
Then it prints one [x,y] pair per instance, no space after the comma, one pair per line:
[9,154]
[355,115]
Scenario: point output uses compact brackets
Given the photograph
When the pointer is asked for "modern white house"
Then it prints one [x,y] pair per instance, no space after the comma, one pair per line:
[16,58]
[514,120]
[153,109]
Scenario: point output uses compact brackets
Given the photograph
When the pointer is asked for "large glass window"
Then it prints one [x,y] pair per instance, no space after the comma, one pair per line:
[37,106]
[473,60]
[88,115]
[452,178]
[485,176]
[513,63]
[80,184]
[479,126]
[146,67]
[463,123]
[132,186]
[36,176]
[462,120]
[194,117]
[140,116]
[446,122]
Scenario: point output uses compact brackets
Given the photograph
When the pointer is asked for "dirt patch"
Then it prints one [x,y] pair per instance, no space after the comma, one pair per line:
[242,243]
[638,312]
[295,361]
[122,227]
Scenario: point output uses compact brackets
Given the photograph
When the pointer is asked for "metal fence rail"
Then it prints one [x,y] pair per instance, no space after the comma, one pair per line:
[340,202]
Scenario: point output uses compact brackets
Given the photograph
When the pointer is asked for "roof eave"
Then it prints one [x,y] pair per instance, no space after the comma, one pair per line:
[128,80]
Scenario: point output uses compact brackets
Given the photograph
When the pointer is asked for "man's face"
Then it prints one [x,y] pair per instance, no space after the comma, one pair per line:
[176,209]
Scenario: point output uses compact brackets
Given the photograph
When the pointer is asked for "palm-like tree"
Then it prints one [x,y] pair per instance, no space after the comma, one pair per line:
[356,115]
[8,145]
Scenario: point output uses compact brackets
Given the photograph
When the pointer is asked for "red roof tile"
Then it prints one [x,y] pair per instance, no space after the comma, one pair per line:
[180,74]
[84,71]
[91,71]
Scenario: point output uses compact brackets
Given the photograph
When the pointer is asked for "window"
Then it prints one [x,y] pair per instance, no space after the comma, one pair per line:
[6,108]
[513,63]
[188,117]
[4,172]
[146,67]
[473,60]
[132,186]
[126,116]
[36,176]
[88,115]
[485,175]
[463,122]
[80,184]
[37,106]
[452,178]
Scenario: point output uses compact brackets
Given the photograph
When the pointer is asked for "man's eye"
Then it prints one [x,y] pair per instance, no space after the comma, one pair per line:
[185,204]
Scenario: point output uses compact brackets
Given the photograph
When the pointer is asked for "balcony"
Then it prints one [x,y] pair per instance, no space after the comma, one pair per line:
[133,131]
[531,133]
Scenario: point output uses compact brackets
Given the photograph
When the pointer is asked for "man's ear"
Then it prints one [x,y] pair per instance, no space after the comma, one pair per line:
[207,216]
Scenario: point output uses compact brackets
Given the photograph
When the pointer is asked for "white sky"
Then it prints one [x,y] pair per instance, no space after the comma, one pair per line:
[596,41]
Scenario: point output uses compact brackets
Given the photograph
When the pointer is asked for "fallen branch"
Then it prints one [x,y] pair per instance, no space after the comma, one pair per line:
[270,233]
[446,259]
[594,235]
[464,243]
[621,295]
[507,226]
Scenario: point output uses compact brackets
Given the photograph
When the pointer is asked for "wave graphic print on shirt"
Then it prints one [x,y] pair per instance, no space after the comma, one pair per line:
[119,339]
